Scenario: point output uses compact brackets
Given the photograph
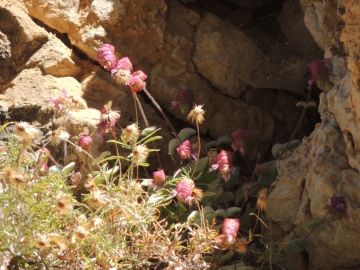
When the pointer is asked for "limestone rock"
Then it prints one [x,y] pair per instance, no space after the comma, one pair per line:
[320,19]
[20,37]
[225,56]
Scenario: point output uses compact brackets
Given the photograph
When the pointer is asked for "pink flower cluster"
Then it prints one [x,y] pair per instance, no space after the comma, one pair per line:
[85,142]
[159,179]
[121,69]
[185,151]
[184,100]
[230,230]
[239,137]
[223,164]
[62,104]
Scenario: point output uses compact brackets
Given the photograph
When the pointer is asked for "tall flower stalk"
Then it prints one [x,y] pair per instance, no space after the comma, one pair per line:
[197,115]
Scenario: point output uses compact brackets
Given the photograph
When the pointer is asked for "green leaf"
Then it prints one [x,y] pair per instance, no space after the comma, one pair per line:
[233,210]
[270,176]
[152,139]
[210,145]
[194,217]
[147,131]
[220,213]
[102,156]
[68,168]
[99,179]
[173,144]
[209,194]
[223,140]
[279,148]
[186,133]
[4,126]
[224,258]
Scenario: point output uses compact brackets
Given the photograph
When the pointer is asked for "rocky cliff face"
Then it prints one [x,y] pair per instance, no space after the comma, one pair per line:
[246,64]
[327,162]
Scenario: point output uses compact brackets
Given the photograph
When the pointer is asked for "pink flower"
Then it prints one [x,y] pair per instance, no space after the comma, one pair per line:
[108,118]
[185,151]
[122,71]
[184,100]
[76,177]
[187,192]
[137,81]
[239,137]
[106,56]
[62,103]
[224,164]
[230,230]
[85,142]
[158,178]
[319,70]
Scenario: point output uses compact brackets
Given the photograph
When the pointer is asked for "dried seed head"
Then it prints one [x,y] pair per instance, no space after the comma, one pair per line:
[96,199]
[140,153]
[58,240]
[63,204]
[14,177]
[197,114]
[241,245]
[26,132]
[96,223]
[42,241]
[80,233]
[55,137]
[262,200]
[90,184]
[131,133]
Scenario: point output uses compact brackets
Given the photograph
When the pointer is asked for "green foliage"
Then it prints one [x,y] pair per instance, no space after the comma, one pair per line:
[220,141]
[279,148]
[269,176]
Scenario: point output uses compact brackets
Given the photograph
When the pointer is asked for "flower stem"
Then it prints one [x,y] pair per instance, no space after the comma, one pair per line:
[163,114]
[199,142]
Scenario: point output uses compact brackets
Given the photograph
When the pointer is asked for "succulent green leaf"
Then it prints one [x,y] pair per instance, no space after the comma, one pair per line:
[186,133]
[147,131]
[68,168]
[233,210]
[173,144]
[194,217]
[280,148]
[210,145]
[221,213]
[223,140]
[270,176]
[224,258]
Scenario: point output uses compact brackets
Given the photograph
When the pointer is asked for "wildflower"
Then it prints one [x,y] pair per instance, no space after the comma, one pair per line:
[14,177]
[337,208]
[158,178]
[106,56]
[62,104]
[42,241]
[108,117]
[55,137]
[63,204]
[184,100]
[26,132]
[187,192]
[197,114]
[85,142]
[76,177]
[58,240]
[95,199]
[223,164]
[96,223]
[319,72]
[80,233]
[230,230]
[131,133]
[137,81]
[239,137]
[122,71]
[262,200]
[185,151]
[43,158]
[90,184]
[139,154]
